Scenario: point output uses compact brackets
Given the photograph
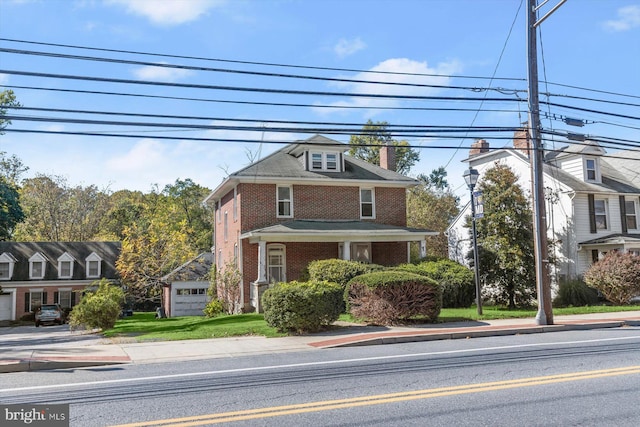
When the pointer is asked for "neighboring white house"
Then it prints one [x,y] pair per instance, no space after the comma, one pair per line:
[592,201]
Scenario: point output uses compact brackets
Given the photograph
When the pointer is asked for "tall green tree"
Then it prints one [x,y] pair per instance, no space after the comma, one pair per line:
[505,239]
[11,213]
[367,144]
[186,197]
[432,205]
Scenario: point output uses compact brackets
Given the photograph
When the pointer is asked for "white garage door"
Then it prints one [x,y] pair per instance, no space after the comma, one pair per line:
[5,307]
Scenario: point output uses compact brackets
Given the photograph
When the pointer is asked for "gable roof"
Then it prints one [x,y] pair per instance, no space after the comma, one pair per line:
[196,269]
[22,251]
[284,166]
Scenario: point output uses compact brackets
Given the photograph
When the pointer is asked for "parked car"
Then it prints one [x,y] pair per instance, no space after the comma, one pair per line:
[50,314]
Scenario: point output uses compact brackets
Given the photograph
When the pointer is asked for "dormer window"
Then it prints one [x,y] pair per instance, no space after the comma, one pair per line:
[591,169]
[37,264]
[65,266]
[324,161]
[94,266]
[7,262]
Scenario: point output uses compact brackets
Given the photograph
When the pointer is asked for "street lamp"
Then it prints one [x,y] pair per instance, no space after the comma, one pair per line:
[471,178]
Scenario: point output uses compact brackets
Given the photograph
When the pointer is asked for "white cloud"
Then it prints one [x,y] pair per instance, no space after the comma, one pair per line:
[161,73]
[146,155]
[4,79]
[348,47]
[168,12]
[413,72]
[628,18]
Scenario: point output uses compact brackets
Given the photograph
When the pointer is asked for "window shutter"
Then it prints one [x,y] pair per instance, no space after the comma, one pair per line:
[623,214]
[56,297]
[27,299]
[44,298]
[592,213]
[73,298]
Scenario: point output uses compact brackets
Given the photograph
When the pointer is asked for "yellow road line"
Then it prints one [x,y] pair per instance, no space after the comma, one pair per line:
[276,411]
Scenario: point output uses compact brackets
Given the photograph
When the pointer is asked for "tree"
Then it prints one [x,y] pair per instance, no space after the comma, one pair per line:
[11,168]
[11,212]
[505,239]
[432,205]
[54,211]
[7,100]
[366,146]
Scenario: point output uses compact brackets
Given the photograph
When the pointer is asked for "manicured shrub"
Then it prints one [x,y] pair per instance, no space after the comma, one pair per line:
[214,308]
[575,293]
[455,280]
[98,308]
[616,276]
[302,306]
[389,297]
[339,271]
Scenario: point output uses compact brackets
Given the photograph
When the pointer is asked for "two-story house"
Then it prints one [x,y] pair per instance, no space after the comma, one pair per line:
[32,274]
[592,200]
[309,201]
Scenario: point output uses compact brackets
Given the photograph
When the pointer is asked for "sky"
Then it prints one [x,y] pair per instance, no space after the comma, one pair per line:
[588,57]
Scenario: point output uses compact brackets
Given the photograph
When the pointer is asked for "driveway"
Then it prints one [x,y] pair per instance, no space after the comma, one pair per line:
[30,337]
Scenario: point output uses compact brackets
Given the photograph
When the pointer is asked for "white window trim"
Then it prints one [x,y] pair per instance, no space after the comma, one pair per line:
[225,226]
[636,206]
[323,161]
[283,248]
[373,203]
[37,258]
[93,257]
[35,291]
[7,258]
[290,200]
[596,169]
[606,214]
[235,203]
[66,257]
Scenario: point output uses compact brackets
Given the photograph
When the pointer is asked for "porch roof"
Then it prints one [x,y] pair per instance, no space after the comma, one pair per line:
[336,231]
[614,239]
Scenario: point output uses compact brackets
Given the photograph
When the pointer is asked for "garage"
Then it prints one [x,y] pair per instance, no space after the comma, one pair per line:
[6,306]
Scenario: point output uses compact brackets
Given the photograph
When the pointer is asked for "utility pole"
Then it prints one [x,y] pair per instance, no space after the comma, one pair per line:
[536,156]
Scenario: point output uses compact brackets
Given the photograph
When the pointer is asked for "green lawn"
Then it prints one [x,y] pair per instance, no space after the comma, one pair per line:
[145,327]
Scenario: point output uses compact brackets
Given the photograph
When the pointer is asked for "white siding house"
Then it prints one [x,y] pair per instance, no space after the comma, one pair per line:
[592,203]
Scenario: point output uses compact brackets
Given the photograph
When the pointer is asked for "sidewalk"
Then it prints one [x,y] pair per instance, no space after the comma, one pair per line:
[103,351]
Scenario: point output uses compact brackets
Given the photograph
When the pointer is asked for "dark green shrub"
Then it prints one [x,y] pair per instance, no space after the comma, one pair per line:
[616,276]
[98,308]
[214,308]
[456,281]
[302,306]
[388,297]
[339,271]
[575,293]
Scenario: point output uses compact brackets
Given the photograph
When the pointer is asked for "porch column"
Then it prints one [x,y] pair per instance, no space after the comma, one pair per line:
[423,248]
[262,262]
[346,251]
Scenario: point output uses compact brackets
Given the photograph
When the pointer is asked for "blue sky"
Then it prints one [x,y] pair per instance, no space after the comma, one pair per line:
[591,44]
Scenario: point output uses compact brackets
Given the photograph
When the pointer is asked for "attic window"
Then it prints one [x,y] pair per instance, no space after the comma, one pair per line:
[591,171]
[94,265]
[65,266]
[7,261]
[36,266]
[324,161]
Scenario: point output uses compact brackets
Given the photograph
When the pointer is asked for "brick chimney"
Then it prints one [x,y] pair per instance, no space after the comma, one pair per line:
[388,157]
[478,147]
[522,140]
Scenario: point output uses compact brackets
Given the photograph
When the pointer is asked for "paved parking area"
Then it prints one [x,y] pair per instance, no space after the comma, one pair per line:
[30,337]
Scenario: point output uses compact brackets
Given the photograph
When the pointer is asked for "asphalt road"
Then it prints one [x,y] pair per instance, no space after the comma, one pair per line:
[565,378]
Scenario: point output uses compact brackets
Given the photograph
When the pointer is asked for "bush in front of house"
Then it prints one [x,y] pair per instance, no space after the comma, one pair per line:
[390,297]
[575,293]
[302,306]
[339,271]
[616,276]
[214,308]
[98,308]
[456,281]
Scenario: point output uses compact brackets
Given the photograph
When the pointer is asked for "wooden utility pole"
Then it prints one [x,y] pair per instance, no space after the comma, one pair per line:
[536,156]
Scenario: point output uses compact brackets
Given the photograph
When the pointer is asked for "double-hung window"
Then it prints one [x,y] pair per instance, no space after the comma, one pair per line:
[367,203]
[285,201]
[600,206]
[329,162]
[591,172]
[631,214]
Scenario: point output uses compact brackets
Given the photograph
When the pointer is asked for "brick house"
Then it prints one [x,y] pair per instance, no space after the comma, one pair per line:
[309,201]
[36,273]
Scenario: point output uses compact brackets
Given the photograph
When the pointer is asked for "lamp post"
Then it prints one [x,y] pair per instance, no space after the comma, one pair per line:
[471,178]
